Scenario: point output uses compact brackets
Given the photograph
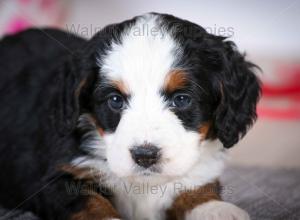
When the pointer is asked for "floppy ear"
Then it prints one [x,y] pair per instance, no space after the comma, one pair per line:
[70,82]
[239,92]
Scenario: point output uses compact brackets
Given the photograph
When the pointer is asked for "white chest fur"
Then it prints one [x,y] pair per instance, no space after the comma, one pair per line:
[144,201]
[149,201]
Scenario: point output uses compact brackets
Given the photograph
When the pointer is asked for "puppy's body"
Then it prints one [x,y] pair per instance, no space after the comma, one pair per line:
[146,104]
[30,147]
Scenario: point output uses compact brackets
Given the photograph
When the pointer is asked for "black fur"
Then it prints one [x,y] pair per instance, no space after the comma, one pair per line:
[49,78]
[222,82]
[38,82]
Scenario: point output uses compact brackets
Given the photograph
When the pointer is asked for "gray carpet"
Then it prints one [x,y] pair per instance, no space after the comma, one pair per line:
[266,194]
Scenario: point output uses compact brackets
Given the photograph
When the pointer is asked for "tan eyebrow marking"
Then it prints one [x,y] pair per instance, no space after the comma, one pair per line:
[120,85]
[175,79]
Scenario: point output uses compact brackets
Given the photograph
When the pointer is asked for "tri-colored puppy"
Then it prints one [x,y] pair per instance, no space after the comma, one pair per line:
[141,115]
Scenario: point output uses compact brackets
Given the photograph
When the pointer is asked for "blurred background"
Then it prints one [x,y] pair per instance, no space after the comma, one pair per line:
[268,31]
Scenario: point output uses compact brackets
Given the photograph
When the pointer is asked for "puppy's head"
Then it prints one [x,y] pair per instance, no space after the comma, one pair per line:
[163,87]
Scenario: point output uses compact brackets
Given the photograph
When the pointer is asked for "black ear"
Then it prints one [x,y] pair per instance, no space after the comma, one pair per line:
[239,92]
[70,81]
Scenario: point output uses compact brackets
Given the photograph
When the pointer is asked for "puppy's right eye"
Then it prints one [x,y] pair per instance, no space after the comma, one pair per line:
[181,101]
[115,102]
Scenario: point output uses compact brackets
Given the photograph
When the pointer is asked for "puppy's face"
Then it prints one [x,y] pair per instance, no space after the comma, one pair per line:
[162,91]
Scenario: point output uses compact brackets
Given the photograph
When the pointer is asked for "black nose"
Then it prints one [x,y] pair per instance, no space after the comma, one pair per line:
[145,155]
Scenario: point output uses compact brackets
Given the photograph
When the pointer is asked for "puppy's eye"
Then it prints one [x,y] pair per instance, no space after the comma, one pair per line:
[115,102]
[181,101]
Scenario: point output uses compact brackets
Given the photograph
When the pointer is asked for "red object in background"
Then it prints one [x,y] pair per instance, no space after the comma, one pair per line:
[289,76]
[290,113]
[282,101]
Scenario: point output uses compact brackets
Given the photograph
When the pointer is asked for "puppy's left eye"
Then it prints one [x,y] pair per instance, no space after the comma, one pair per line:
[116,102]
[181,101]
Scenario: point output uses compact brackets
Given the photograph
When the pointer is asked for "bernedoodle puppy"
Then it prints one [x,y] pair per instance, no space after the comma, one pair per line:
[131,124]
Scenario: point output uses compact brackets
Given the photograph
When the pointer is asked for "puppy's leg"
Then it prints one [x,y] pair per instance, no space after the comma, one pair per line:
[96,208]
[73,198]
[204,203]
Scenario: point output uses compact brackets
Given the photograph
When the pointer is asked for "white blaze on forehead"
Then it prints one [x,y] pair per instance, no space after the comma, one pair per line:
[143,58]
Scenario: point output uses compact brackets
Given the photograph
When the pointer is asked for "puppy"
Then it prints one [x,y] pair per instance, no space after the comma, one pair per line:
[133,123]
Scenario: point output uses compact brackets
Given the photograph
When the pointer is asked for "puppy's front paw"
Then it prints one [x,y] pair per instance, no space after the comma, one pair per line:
[113,219]
[217,210]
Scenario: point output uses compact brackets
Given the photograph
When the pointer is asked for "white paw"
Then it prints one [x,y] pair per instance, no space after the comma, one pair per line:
[113,219]
[217,210]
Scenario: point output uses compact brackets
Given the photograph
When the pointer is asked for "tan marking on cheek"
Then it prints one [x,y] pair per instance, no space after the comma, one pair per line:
[120,85]
[100,131]
[96,208]
[205,129]
[188,200]
[176,79]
